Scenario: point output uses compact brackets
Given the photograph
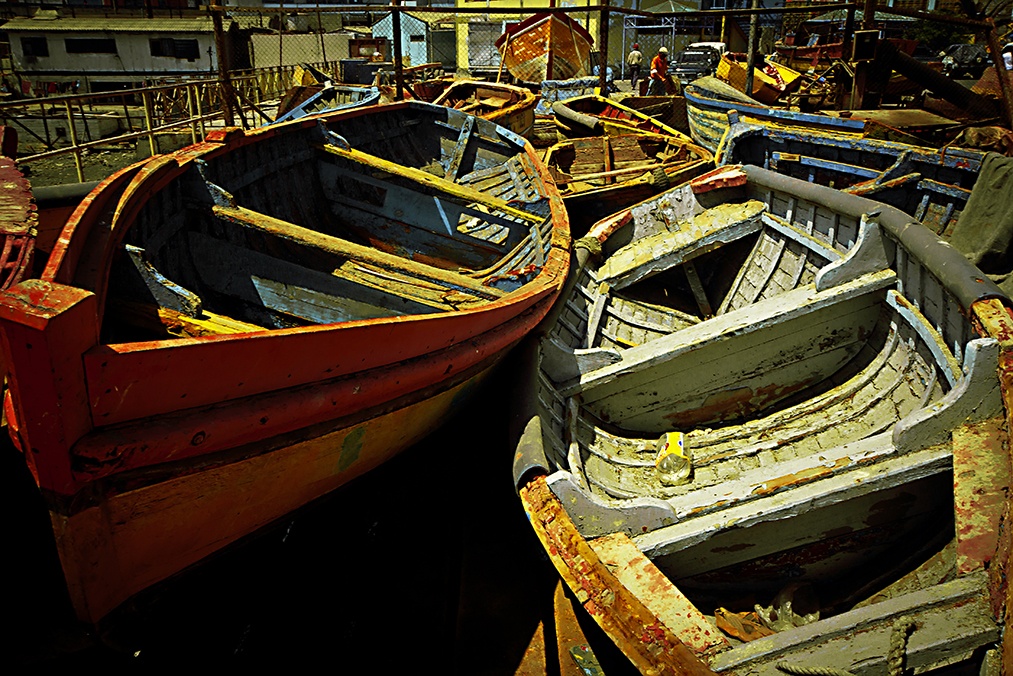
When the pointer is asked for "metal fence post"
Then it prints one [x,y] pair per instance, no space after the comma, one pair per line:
[146,99]
[398,68]
[228,99]
[603,48]
[189,113]
[45,125]
[73,142]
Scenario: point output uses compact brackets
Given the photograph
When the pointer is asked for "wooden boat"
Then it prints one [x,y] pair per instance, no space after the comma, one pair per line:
[709,100]
[594,115]
[670,110]
[774,409]
[598,176]
[930,184]
[229,332]
[329,97]
[19,220]
[545,47]
[430,90]
[506,105]
[770,80]
[551,91]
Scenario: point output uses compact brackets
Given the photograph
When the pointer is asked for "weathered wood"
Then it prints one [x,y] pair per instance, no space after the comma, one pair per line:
[950,620]
[153,318]
[424,178]
[350,250]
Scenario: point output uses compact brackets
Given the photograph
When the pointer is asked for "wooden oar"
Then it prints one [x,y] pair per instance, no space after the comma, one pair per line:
[427,179]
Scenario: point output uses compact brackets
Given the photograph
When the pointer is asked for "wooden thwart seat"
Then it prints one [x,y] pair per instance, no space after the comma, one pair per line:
[304,236]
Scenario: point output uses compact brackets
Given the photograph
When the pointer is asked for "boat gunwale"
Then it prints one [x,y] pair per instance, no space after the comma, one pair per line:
[164,169]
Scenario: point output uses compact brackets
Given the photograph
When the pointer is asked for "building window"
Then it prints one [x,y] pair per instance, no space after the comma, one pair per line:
[34,47]
[416,38]
[177,49]
[90,45]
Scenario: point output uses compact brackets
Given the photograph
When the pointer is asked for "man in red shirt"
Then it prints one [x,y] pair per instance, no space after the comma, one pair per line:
[659,73]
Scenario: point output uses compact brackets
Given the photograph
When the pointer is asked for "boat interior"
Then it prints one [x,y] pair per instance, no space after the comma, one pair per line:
[816,384]
[313,226]
[482,100]
[613,159]
[931,185]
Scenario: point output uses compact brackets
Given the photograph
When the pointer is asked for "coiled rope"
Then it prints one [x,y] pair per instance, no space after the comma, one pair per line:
[902,629]
[899,636]
[799,670]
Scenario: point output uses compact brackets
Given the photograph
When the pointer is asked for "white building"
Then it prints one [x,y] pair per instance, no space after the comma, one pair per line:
[100,54]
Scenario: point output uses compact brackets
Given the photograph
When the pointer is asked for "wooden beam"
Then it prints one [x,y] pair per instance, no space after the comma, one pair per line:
[362,254]
[435,182]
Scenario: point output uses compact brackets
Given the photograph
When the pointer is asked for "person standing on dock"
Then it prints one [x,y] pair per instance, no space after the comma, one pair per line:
[659,73]
[635,60]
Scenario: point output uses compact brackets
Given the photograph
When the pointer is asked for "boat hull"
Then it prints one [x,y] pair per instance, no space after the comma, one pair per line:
[770,80]
[931,185]
[136,537]
[546,47]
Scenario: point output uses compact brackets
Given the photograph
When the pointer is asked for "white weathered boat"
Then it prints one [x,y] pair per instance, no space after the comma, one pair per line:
[774,409]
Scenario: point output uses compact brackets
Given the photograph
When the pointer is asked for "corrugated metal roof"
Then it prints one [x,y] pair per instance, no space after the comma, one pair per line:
[91,25]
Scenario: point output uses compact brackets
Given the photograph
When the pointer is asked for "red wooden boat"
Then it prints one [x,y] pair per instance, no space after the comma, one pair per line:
[545,47]
[19,220]
[229,332]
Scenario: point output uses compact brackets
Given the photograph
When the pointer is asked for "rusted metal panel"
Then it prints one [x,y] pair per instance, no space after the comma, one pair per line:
[981,483]
[642,636]
[636,573]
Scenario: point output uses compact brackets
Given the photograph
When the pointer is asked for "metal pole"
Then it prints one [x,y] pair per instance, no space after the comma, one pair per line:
[126,113]
[200,114]
[45,126]
[228,96]
[751,49]
[849,30]
[603,49]
[146,98]
[281,44]
[622,64]
[189,113]
[320,27]
[73,142]
[398,68]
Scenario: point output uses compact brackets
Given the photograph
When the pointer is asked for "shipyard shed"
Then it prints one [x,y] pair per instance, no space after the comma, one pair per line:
[102,54]
[421,41]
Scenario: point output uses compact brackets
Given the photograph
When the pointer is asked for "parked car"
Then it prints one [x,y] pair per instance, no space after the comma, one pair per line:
[693,63]
[968,61]
[719,46]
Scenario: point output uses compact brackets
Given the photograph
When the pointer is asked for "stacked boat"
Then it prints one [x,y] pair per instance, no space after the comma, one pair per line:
[766,433]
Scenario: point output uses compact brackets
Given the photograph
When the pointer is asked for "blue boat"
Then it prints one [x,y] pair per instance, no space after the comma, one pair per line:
[930,184]
[330,98]
[710,100]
